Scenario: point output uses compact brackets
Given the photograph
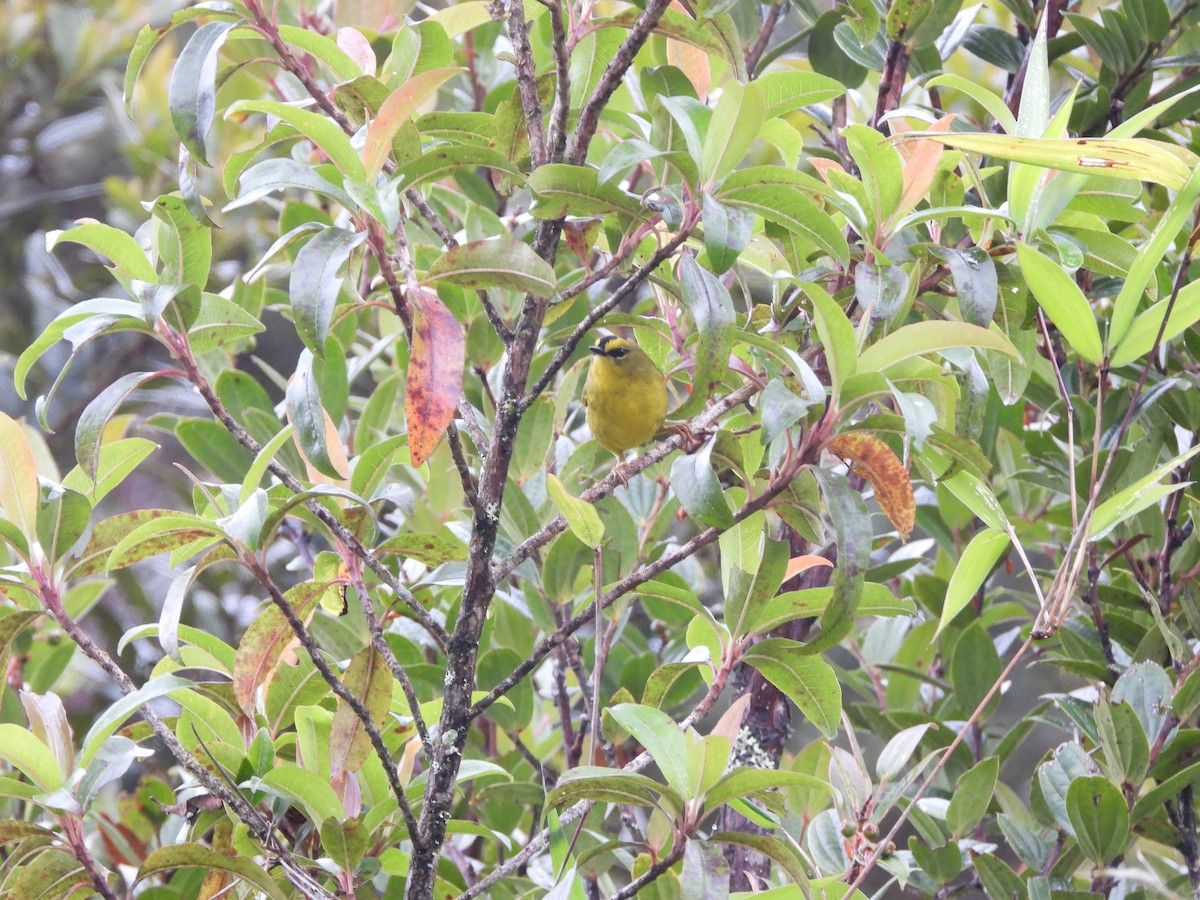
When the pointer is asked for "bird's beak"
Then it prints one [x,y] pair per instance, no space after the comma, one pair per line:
[599,351]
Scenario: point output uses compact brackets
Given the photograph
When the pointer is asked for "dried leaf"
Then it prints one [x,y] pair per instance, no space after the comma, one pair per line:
[875,461]
[434,373]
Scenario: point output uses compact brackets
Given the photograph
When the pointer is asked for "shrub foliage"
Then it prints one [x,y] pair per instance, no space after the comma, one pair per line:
[918,272]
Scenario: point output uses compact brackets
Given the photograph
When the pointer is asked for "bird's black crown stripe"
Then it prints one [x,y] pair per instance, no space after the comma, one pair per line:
[605,341]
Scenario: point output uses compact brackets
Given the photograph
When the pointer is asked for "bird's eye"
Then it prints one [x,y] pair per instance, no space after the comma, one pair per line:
[619,353]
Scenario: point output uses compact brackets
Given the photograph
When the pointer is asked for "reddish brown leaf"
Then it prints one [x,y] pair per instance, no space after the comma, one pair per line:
[265,641]
[434,373]
[875,461]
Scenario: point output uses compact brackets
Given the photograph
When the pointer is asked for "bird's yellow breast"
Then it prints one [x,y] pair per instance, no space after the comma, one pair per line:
[626,400]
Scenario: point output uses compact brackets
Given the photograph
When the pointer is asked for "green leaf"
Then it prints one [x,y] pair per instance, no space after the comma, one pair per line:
[503,262]
[1059,295]
[735,123]
[978,559]
[836,335]
[898,751]
[921,338]
[603,786]
[582,518]
[322,48]
[879,164]
[193,90]
[789,207]
[1141,334]
[157,535]
[397,110]
[711,308]
[18,478]
[89,430]
[1141,273]
[775,849]
[322,131]
[575,190]
[184,244]
[219,323]
[727,231]
[877,600]
[1142,494]
[743,781]
[784,92]
[1099,816]
[52,874]
[345,842]
[439,162]
[972,796]
[110,720]
[107,241]
[22,749]
[657,732]
[197,856]
[698,490]
[807,680]
[852,524]
[309,418]
[316,281]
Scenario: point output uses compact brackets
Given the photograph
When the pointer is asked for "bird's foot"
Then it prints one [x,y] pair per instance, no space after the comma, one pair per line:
[691,441]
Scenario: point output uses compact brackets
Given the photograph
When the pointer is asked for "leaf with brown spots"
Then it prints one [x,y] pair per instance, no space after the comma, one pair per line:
[875,461]
[370,681]
[434,373]
[265,642]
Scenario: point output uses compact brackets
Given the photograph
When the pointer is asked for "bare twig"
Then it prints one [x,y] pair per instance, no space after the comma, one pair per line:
[328,519]
[556,143]
[614,74]
[518,33]
[754,54]
[259,571]
[79,848]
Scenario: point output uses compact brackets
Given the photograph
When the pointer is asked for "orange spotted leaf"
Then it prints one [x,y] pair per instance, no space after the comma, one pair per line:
[434,373]
[875,461]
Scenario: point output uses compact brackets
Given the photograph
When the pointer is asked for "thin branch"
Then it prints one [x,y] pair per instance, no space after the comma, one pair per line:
[882,846]
[700,426]
[259,827]
[518,33]
[79,848]
[1052,352]
[601,309]
[620,589]
[560,111]
[655,872]
[614,74]
[539,841]
[754,54]
[339,688]
[328,519]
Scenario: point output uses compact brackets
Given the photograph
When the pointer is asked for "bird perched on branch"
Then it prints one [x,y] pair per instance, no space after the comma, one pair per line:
[625,395]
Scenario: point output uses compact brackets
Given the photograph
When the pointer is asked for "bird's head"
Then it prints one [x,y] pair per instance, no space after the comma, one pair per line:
[615,350]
